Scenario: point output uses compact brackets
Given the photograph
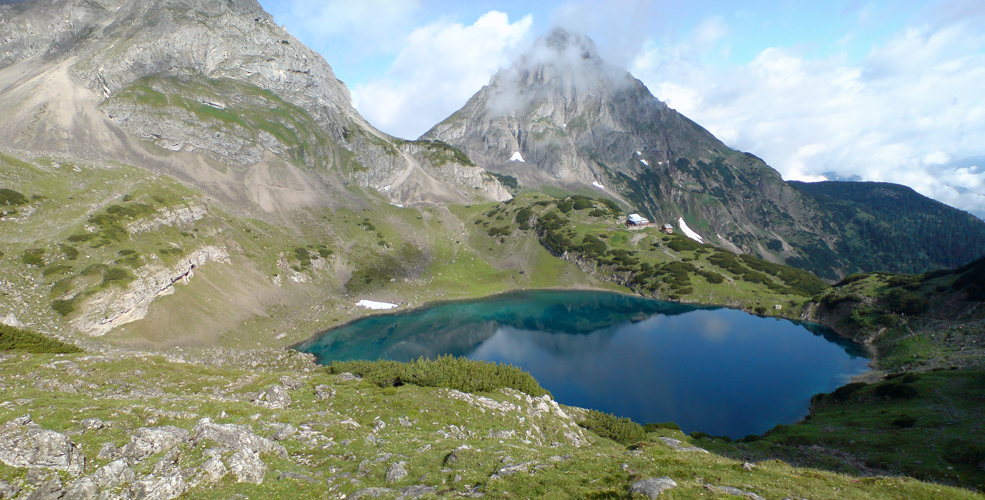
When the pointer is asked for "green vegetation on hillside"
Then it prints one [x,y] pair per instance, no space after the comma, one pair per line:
[889,227]
[19,340]
[447,372]
[923,425]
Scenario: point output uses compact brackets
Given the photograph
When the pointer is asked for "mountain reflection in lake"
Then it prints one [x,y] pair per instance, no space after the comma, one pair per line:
[715,370]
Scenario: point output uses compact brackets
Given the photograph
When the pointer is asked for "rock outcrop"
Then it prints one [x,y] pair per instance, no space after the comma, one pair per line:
[113,307]
[24,443]
[218,82]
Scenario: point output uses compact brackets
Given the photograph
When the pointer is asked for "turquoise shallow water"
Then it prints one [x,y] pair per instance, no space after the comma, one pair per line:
[716,370]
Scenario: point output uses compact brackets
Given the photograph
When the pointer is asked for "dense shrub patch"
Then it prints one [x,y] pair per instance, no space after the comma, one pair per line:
[16,339]
[445,372]
[621,430]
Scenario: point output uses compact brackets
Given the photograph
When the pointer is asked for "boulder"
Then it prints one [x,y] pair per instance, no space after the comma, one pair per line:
[346,377]
[51,490]
[214,469]
[235,437]
[114,474]
[277,397]
[323,392]
[247,467]
[290,383]
[8,490]
[284,431]
[396,472]
[83,489]
[160,488]
[369,493]
[653,487]
[148,441]
[24,443]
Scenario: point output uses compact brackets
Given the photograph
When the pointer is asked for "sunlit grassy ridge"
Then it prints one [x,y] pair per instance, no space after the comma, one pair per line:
[450,441]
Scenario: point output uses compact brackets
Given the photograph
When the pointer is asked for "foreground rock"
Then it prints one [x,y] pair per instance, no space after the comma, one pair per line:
[652,488]
[24,443]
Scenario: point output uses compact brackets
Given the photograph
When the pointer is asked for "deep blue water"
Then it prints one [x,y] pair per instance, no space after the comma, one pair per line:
[715,370]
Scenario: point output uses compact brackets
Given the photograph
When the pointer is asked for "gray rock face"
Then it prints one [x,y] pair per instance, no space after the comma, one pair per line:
[214,470]
[728,490]
[83,489]
[323,392]
[160,488]
[51,490]
[113,474]
[235,437]
[148,441]
[217,59]
[346,377]
[396,472]
[284,431]
[24,443]
[7,490]
[277,397]
[652,488]
[247,466]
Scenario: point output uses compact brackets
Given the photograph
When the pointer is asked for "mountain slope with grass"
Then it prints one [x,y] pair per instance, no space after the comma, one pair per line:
[214,424]
[213,93]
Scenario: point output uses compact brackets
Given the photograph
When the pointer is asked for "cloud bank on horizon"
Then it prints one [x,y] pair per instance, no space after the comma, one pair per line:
[878,91]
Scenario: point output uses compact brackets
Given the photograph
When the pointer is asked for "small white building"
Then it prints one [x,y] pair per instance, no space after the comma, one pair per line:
[637,220]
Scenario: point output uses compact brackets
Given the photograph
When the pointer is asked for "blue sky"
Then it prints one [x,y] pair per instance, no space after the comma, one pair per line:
[883,90]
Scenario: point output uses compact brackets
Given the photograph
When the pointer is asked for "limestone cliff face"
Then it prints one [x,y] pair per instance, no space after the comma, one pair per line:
[562,116]
[118,306]
[153,83]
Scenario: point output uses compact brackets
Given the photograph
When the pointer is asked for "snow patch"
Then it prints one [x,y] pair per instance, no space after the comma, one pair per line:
[517,157]
[596,184]
[644,162]
[639,154]
[397,205]
[687,231]
[371,304]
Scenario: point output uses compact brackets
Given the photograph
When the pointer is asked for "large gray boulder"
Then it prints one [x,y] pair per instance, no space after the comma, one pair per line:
[652,488]
[235,437]
[51,490]
[148,441]
[24,444]
[160,488]
[113,474]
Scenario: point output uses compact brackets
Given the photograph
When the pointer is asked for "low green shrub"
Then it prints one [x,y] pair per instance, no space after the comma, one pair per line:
[16,339]
[448,372]
[12,198]
[652,427]
[621,430]
[33,257]
[960,451]
[842,393]
[896,391]
[905,421]
[699,435]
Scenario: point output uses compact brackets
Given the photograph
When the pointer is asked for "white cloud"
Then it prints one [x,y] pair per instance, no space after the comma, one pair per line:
[899,115]
[440,67]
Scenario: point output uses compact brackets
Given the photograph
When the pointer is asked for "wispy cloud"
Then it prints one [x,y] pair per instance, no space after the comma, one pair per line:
[899,115]
[440,67]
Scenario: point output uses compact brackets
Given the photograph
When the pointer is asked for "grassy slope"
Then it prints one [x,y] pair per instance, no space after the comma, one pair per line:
[132,391]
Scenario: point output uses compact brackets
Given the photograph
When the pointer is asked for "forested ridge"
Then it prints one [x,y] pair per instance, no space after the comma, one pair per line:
[892,227]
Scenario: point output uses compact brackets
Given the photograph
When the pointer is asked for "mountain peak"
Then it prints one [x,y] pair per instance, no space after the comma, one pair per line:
[560,44]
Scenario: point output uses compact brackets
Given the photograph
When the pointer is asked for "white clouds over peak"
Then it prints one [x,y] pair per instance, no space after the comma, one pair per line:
[441,65]
[898,115]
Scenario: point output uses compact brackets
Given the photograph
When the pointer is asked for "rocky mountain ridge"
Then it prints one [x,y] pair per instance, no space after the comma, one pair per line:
[561,116]
[214,93]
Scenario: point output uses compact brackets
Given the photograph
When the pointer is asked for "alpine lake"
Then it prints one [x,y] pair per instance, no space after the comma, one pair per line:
[709,369]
